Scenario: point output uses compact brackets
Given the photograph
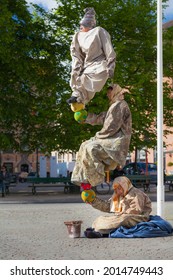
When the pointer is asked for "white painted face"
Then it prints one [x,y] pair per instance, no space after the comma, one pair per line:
[84,29]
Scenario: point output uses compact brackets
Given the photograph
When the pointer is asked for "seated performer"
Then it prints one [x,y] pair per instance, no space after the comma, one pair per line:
[110,145]
[128,206]
[93,61]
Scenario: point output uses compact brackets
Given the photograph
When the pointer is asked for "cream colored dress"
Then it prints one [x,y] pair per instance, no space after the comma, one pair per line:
[136,208]
[93,61]
[108,148]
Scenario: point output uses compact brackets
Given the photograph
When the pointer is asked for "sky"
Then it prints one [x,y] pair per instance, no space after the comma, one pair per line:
[169,11]
[47,4]
[50,4]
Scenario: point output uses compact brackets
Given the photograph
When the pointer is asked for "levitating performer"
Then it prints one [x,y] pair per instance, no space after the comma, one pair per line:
[93,61]
[109,147]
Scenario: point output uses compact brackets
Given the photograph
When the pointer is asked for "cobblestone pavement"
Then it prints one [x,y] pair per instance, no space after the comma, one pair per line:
[32,227]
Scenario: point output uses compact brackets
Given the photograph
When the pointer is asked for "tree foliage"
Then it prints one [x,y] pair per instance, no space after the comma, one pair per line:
[35,68]
[30,77]
[132,26]
[168,72]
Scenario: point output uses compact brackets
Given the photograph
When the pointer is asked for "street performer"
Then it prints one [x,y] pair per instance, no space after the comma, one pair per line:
[93,61]
[109,147]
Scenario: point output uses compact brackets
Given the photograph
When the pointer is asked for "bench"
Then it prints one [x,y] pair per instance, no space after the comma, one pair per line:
[146,180]
[169,181]
[142,181]
[53,181]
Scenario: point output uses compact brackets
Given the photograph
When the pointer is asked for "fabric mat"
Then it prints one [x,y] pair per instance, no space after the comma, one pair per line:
[155,227]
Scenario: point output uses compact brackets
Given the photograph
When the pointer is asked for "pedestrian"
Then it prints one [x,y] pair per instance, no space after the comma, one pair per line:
[93,60]
[5,178]
[4,174]
[109,147]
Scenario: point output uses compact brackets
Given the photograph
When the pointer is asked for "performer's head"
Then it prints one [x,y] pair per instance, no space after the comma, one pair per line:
[115,92]
[121,185]
[88,21]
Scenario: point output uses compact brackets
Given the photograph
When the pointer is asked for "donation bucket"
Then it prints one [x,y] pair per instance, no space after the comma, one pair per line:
[74,228]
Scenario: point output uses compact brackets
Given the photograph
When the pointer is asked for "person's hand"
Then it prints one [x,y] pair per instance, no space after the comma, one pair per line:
[125,90]
[88,196]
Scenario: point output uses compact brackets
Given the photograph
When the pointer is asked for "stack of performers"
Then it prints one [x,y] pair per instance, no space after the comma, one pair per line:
[93,62]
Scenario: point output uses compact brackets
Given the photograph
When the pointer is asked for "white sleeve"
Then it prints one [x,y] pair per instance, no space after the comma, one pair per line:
[108,50]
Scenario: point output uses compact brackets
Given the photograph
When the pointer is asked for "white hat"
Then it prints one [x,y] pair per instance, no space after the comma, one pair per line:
[89,18]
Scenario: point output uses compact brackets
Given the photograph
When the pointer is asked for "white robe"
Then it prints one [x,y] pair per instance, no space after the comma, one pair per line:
[93,62]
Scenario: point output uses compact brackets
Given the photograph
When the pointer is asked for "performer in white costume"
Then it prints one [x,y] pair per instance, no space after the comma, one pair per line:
[93,60]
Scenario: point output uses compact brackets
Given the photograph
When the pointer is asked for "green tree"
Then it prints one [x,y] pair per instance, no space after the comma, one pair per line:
[30,77]
[132,26]
[168,72]
[35,68]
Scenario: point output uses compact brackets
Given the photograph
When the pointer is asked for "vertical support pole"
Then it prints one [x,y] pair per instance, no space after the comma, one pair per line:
[37,163]
[160,181]
[107,176]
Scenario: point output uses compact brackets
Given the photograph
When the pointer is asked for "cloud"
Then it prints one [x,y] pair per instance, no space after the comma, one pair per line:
[47,4]
[168,12]
[50,4]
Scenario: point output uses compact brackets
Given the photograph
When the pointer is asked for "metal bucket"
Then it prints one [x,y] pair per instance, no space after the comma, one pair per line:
[74,228]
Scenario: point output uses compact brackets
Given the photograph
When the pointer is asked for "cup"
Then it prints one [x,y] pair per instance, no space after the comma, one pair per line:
[74,228]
